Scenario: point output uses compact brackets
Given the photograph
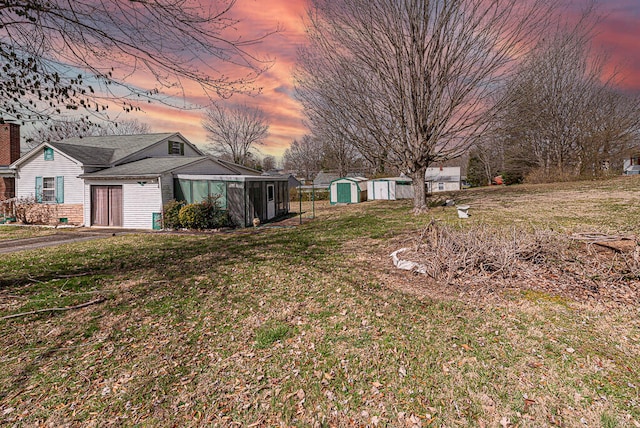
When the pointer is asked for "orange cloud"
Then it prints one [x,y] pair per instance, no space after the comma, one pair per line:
[619,34]
[276,96]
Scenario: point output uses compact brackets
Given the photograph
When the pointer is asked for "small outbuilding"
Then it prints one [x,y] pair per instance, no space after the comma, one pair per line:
[390,188]
[348,190]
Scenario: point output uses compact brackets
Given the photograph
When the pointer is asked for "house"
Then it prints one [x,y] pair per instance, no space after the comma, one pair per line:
[348,190]
[632,165]
[124,181]
[323,179]
[390,188]
[443,179]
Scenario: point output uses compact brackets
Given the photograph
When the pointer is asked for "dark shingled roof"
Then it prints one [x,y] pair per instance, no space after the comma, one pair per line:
[91,156]
[105,150]
[149,167]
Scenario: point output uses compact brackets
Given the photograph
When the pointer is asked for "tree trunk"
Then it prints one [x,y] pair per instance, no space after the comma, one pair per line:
[419,188]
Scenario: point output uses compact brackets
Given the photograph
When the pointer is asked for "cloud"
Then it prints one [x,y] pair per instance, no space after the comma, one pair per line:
[618,33]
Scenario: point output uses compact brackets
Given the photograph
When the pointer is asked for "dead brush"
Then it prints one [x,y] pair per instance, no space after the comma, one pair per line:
[541,259]
[448,253]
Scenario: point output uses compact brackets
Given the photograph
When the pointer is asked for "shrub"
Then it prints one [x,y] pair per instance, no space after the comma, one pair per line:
[204,215]
[192,216]
[171,214]
[215,216]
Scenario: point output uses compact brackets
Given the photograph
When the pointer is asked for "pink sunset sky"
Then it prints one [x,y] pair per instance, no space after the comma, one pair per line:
[618,34]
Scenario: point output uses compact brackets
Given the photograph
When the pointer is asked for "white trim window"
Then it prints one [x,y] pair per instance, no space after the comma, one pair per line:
[48,189]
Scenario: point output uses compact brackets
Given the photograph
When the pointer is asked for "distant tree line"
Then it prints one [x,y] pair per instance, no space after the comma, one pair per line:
[400,86]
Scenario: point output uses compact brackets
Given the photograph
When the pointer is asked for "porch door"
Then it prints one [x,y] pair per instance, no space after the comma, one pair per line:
[106,206]
[271,202]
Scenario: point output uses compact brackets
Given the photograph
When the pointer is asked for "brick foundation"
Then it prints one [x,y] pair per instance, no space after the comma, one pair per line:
[72,212]
[52,213]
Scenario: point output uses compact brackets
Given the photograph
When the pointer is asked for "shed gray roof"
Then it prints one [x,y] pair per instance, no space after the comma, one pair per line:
[105,150]
[149,167]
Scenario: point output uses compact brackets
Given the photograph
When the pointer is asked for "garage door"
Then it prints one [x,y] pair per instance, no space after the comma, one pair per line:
[106,206]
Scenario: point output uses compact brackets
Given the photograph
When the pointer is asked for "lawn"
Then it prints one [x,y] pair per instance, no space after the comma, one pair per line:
[313,326]
[19,232]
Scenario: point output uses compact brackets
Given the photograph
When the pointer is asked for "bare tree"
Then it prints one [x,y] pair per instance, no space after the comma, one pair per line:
[563,116]
[63,129]
[412,79]
[82,55]
[268,163]
[305,157]
[234,131]
[340,155]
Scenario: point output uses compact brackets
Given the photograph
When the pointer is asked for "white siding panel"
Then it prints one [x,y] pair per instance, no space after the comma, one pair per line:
[138,202]
[61,165]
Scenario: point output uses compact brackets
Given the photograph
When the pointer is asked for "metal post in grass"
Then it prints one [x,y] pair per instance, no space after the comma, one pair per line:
[313,201]
[300,199]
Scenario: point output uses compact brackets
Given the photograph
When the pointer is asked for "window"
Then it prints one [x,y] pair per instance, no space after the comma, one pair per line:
[270,192]
[176,148]
[48,154]
[48,189]
[440,186]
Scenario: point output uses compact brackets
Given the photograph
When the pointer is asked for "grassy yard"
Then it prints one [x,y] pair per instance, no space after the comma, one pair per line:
[313,326]
[19,232]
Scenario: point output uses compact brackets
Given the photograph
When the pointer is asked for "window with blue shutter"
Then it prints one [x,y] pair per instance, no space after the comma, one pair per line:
[50,189]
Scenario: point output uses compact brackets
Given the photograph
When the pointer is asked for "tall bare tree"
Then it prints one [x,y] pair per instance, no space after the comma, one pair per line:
[81,55]
[563,115]
[412,79]
[234,131]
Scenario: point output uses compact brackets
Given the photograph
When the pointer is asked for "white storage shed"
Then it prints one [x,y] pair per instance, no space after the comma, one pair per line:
[390,188]
[348,190]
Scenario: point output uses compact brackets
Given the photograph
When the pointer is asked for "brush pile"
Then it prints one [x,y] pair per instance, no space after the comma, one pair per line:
[484,257]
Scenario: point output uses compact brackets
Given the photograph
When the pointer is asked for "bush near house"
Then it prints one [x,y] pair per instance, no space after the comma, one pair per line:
[207,214]
[29,211]
[171,214]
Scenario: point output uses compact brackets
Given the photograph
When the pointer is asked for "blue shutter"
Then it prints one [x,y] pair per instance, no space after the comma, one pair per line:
[60,190]
[38,189]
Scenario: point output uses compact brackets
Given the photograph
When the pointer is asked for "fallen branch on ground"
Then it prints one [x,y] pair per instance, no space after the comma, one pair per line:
[68,308]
